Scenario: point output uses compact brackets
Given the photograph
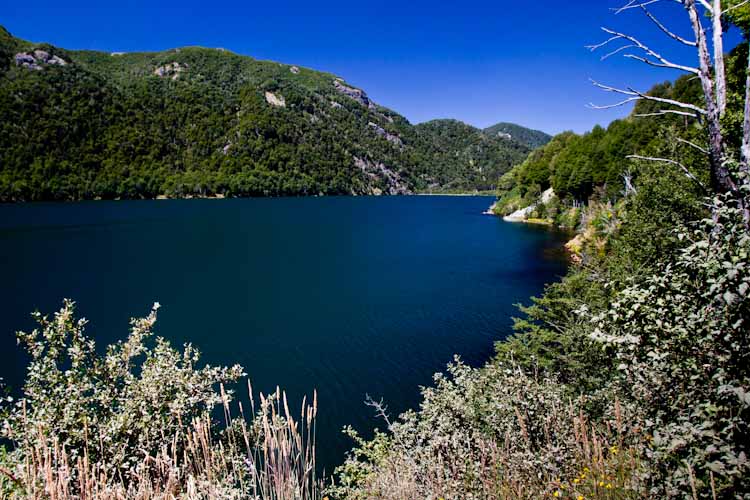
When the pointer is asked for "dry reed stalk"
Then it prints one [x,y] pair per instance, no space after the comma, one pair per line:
[273,458]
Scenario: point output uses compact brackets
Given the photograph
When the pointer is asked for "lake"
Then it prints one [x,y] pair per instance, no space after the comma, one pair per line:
[348,295]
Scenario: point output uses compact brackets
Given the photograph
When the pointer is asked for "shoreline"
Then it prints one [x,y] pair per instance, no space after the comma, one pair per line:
[162,197]
[452,194]
[571,247]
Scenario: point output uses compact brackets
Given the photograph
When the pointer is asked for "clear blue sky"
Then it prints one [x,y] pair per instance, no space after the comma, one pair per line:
[477,61]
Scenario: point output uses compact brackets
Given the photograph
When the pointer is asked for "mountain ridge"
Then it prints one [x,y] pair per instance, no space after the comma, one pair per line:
[194,121]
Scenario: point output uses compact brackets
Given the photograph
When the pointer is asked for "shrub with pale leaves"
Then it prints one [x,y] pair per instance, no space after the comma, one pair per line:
[117,408]
[682,339]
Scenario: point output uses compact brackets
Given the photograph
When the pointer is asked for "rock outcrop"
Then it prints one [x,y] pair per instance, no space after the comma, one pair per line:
[171,70]
[379,172]
[37,59]
[522,214]
[547,195]
[392,138]
[275,99]
[357,94]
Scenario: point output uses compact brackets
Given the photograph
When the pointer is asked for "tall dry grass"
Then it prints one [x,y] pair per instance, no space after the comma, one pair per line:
[269,457]
[593,461]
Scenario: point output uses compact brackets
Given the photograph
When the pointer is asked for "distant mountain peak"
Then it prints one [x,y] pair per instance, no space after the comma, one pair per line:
[532,138]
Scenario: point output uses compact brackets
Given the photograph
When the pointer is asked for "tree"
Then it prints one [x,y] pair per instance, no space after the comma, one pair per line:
[711,73]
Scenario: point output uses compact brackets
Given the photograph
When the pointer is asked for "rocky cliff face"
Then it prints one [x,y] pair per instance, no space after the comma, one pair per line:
[385,180]
[392,138]
[38,59]
[357,94]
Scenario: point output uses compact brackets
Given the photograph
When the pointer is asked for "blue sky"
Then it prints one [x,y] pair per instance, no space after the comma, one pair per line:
[477,61]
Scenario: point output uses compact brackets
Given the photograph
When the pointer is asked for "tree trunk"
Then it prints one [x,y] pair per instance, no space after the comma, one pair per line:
[745,151]
[721,179]
[719,72]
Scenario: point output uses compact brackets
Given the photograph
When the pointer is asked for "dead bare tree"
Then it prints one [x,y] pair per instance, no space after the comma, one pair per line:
[710,70]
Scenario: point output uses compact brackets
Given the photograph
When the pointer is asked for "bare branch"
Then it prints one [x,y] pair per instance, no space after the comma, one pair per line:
[663,112]
[634,4]
[671,162]
[666,30]
[617,51]
[730,9]
[381,409]
[660,65]
[615,105]
[592,48]
[692,144]
[663,62]
[635,95]
[679,104]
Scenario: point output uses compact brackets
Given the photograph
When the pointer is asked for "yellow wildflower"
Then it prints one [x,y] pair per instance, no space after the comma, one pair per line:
[609,486]
[557,493]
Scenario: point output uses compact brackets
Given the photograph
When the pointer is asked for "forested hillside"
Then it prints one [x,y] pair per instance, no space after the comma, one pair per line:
[199,122]
[532,138]
[593,165]
[461,157]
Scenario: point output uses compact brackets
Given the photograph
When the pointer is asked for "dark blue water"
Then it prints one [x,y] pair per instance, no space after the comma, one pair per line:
[346,295]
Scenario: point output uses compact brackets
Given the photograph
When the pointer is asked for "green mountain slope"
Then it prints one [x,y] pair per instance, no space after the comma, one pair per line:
[589,166]
[465,158]
[532,138]
[196,122]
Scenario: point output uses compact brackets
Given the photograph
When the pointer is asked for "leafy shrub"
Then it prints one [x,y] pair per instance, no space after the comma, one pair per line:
[683,348]
[495,432]
[128,400]
[137,423]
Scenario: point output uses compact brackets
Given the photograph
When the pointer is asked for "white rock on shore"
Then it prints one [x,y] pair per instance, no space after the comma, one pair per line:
[520,215]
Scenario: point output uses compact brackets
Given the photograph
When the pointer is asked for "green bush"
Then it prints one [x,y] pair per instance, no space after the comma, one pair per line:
[683,349]
[495,432]
[117,408]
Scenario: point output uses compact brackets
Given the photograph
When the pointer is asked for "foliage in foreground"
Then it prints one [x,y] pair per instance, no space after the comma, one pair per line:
[498,432]
[137,423]
[681,338]
[652,354]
